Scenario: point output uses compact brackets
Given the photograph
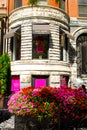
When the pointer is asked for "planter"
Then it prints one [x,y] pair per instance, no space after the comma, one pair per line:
[27,123]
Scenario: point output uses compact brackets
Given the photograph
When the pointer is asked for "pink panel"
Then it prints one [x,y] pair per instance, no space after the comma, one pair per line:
[40,48]
[63,81]
[15,86]
[40,83]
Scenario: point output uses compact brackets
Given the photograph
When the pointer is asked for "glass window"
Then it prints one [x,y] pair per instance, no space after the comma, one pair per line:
[82,54]
[83,1]
[40,46]
[15,45]
[83,8]
[40,41]
[62,4]
[17,3]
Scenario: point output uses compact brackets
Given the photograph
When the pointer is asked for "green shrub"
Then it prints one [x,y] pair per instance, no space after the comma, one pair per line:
[5,74]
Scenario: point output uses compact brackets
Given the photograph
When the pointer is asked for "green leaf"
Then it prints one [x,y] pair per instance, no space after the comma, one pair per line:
[32,2]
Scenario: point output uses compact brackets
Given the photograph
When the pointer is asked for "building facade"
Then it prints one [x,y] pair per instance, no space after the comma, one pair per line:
[43,43]
[78,27]
[3,18]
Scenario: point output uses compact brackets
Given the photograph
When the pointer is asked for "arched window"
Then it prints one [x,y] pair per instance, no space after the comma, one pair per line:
[82,54]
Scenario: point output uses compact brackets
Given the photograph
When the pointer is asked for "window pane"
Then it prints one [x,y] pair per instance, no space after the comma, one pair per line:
[83,1]
[17,3]
[62,4]
[18,44]
[82,54]
[15,45]
[11,47]
[40,46]
[83,8]
[84,57]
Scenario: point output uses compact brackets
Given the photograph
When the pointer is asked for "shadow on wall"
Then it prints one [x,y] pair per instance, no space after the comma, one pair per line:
[72,53]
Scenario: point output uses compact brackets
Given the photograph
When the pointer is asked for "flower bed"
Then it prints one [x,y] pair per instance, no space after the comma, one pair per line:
[66,106]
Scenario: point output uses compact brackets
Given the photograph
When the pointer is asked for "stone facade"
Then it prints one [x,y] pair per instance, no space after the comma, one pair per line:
[78,26]
[26,66]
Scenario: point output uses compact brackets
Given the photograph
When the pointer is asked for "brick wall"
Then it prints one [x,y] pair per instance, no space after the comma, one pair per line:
[10,6]
[72,8]
[53,3]
[24,2]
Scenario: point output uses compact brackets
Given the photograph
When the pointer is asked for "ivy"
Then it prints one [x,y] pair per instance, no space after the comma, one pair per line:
[33,2]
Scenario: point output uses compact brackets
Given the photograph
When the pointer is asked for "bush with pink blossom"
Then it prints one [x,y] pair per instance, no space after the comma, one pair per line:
[54,104]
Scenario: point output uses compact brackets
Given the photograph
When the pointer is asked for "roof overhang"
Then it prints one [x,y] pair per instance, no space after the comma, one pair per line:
[11,33]
[69,35]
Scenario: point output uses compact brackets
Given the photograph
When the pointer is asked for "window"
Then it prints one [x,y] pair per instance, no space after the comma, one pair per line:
[82,54]
[62,4]
[63,46]
[15,45]
[17,3]
[40,41]
[82,8]
[40,81]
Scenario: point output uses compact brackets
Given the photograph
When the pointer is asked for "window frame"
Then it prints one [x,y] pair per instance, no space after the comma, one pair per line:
[42,30]
[46,77]
[14,56]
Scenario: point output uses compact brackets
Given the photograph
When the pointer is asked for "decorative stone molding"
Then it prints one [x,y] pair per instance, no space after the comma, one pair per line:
[43,12]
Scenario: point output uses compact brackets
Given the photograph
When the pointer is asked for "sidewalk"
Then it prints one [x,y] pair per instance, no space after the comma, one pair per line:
[8,124]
